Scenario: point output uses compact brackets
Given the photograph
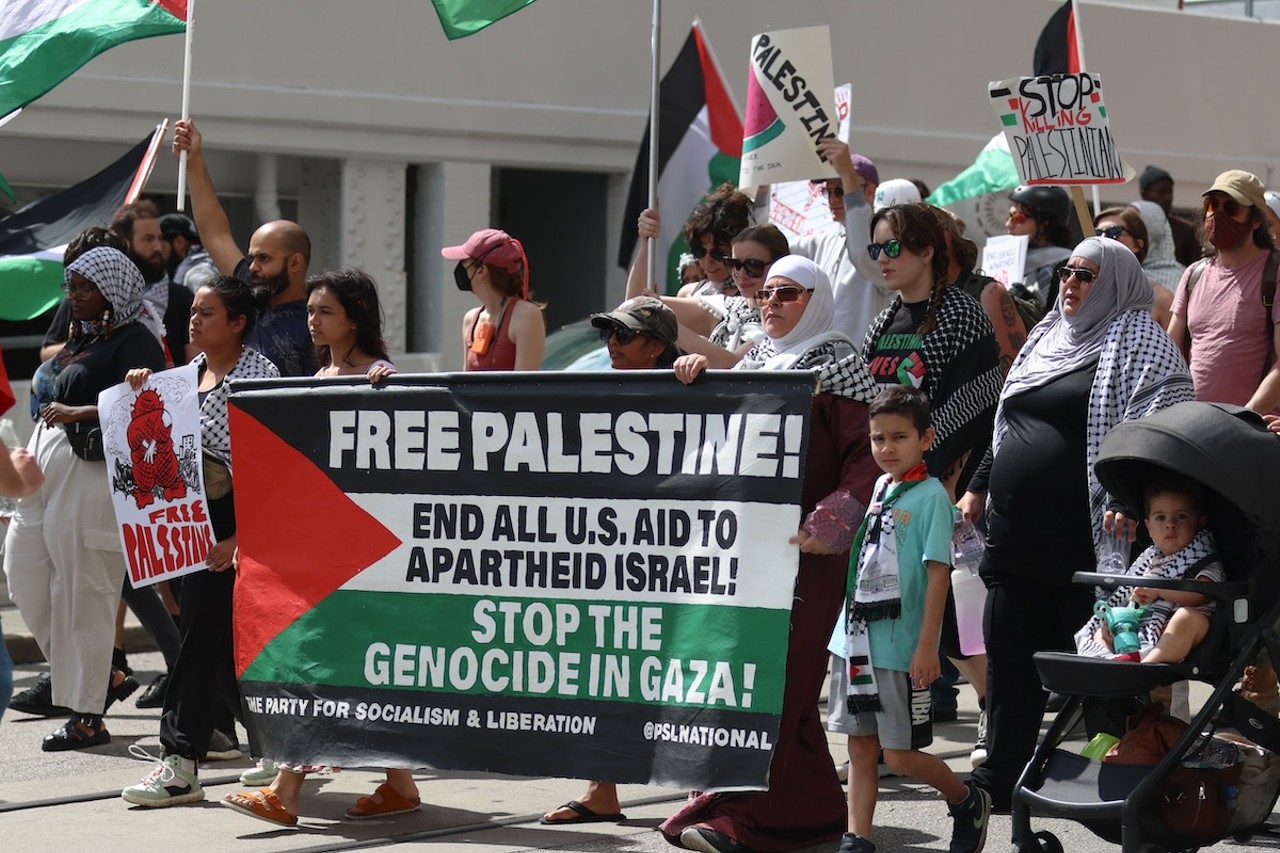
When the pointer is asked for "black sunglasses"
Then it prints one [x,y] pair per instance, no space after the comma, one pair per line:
[1228,204]
[699,252]
[753,267]
[891,248]
[1112,233]
[622,333]
[1082,275]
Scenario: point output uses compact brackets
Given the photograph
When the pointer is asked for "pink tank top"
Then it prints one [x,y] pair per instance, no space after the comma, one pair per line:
[502,350]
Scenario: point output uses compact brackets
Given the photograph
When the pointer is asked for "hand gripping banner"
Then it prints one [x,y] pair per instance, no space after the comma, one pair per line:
[580,575]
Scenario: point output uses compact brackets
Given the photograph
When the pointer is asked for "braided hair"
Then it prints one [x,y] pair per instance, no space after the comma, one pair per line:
[915,226]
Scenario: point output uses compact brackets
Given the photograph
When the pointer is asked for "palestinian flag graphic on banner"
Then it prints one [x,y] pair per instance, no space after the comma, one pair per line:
[43,43]
[33,239]
[572,577]
[699,146]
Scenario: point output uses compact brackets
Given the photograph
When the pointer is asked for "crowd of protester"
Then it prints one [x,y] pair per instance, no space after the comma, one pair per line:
[936,385]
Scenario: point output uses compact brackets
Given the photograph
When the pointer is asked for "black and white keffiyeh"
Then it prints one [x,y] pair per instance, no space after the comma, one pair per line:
[1140,369]
[117,279]
[737,320]
[215,432]
[1194,560]
[962,375]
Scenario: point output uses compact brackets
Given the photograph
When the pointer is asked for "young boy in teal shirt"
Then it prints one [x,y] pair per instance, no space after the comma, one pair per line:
[901,571]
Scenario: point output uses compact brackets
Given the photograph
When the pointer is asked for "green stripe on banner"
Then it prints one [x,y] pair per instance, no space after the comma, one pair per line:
[35,61]
[31,286]
[770,133]
[727,658]
[1009,119]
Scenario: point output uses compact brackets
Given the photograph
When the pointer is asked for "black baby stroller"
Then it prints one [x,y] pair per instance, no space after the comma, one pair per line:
[1229,452]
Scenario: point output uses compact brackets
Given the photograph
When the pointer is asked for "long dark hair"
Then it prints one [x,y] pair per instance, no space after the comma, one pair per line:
[357,293]
[917,229]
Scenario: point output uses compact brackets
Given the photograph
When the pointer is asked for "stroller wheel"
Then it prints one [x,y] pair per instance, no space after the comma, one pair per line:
[1049,842]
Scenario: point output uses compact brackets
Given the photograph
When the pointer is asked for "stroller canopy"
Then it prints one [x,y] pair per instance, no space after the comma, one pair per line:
[1223,447]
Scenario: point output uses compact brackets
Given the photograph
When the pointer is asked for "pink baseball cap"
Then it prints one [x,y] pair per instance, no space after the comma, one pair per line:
[489,246]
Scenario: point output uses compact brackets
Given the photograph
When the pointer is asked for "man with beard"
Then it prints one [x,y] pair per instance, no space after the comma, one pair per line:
[139,224]
[276,266]
[184,255]
[1224,318]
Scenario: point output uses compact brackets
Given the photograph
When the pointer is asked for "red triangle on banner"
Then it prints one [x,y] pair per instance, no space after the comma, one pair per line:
[300,537]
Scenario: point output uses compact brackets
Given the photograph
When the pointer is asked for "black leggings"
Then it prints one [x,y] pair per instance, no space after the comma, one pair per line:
[146,604]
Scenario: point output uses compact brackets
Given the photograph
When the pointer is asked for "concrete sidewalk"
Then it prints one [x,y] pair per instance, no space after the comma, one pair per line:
[23,649]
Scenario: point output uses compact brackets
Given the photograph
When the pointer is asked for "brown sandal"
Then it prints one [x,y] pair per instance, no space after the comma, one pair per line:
[262,804]
[393,803]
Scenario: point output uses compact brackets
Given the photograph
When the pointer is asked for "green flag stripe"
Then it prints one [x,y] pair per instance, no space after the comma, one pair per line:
[32,285]
[37,60]
[461,18]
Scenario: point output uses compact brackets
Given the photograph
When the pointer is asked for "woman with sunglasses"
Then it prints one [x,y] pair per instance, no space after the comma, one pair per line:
[934,337]
[641,334]
[62,552]
[507,331]
[709,232]
[1126,225]
[804,804]
[1095,360]
[1042,214]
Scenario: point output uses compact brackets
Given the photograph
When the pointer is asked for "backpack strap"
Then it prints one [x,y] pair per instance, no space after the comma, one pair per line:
[1269,287]
[1197,270]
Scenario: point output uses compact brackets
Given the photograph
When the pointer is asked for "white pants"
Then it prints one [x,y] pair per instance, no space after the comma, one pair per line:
[65,567]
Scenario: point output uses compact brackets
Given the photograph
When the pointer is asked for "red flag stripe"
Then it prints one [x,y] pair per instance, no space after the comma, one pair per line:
[726,125]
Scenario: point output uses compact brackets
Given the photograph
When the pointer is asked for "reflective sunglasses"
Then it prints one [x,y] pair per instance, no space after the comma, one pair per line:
[1082,275]
[1225,203]
[752,267]
[622,333]
[1112,233]
[699,252]
[783,295]
[891,249]
[1016,217]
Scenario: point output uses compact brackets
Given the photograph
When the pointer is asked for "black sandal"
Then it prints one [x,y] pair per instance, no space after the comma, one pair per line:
[119,692]
[79,732]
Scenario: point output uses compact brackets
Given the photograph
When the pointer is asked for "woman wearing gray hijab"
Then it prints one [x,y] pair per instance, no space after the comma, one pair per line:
[62,550]
[1098,358]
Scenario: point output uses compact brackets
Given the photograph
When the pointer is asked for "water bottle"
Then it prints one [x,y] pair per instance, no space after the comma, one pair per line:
[967,546]
[1113,557]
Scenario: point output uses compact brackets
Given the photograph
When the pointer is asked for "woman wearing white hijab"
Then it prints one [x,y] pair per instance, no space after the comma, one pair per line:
[1097,359]
[1161,265]
[804,804]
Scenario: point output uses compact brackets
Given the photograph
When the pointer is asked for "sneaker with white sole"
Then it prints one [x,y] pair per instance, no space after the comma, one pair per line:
[222,748]
[979,753]
[969,821]
[264,773]
[170,784]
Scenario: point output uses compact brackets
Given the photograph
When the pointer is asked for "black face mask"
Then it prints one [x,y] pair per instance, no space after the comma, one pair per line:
[461,278]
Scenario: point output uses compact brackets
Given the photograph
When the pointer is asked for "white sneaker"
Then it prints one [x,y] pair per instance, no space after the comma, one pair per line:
[979,753]
[262,774]
[170,784]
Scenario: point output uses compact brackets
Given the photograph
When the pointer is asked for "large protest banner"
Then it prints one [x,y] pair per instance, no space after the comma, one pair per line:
[1058,129]
[788,107]
[151,440]
[540,574]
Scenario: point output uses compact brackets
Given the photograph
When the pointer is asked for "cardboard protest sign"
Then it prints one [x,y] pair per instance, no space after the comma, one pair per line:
[574,575]
[1004,257]
[787,107]
[1058,129]
[798,208]
[151,439]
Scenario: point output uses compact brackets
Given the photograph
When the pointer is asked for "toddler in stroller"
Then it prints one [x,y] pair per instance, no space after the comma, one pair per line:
[1172,621]
[1234,463]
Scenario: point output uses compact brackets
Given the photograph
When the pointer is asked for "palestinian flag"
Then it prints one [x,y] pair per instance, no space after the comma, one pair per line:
[699,146]
[33,239]
[43,43]
[1056,49]
[461,18]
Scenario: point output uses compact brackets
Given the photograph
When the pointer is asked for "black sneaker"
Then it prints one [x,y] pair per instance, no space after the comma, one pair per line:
[851,843]
[969,833]
[708,840]
[38,700]
[153,696]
